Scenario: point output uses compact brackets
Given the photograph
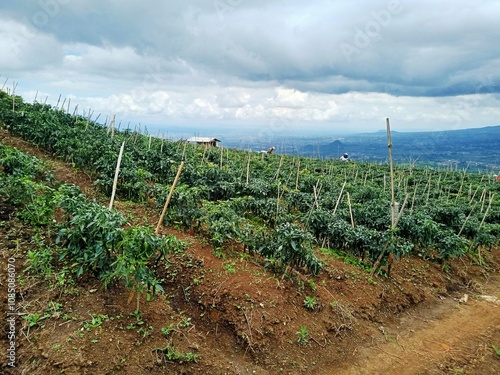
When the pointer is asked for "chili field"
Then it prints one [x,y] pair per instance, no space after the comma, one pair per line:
[301,222]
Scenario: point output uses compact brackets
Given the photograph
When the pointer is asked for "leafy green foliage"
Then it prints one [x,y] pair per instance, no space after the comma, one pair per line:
[91,237]
[277,210]
[292,246]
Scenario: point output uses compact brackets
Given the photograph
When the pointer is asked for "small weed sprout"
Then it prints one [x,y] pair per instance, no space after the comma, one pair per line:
[310,302]
[303,335]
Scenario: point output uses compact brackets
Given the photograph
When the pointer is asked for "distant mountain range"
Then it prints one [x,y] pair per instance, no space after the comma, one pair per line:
[476,149]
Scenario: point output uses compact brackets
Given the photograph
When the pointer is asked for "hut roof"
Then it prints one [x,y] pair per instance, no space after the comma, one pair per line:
[203,139]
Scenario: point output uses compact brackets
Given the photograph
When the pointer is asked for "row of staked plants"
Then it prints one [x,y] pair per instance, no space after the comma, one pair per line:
[279,206]
[91,238]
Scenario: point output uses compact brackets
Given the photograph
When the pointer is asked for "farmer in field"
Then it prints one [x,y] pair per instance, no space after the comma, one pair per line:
[271,149]
[345,157]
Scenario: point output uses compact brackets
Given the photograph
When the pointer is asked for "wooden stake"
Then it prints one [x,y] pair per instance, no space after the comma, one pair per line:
[473,195]
[117,171]
[278,202]
[486,212]
[184,151]
[400,213]
[203,156]
[394,219]
[467,219]
[413,199]
[483,199]
[428,189]
[248,168]
[461,185]
[340,196]
[14,86]
[389,145]
[350,208]
[5,83]
[169,197]
[297,179]
[113,126]
[279,167]
[221,156]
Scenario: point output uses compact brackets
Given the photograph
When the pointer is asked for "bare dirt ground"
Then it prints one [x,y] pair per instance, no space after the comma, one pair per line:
[232,316]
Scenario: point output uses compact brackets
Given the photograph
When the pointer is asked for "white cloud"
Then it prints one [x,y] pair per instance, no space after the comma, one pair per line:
[424,63]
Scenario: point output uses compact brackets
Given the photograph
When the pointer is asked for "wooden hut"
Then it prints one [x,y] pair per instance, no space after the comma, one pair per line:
[204,141]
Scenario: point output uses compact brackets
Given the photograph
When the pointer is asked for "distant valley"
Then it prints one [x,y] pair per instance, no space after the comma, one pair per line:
[475,149]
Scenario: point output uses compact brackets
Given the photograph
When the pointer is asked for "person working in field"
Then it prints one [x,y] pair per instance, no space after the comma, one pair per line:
[345,157]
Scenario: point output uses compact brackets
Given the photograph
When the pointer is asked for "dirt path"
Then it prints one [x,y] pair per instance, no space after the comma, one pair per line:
[450,338]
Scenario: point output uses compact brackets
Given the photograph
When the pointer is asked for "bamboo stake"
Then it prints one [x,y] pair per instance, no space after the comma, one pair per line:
[400,213]
[483,199]
[400,179]
[289,176]
[428,189]
[461,186]
[316,192]
[413,199]
[221,156]
[340,196]
[117,171]
[474,195]
[486,212]
[184,151]
[5,83]
[389,145]
[379,259]
[278,202]
[467,219]
[203,156]
[14,86]
[113,126]
[350,208]
[394,220]
[279,167]
[169,197]
[297,179]
[248,168]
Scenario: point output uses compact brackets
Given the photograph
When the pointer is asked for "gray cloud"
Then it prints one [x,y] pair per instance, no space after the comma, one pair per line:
[241,60]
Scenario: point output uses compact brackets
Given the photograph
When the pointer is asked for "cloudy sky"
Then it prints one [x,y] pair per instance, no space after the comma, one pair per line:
[282,65]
